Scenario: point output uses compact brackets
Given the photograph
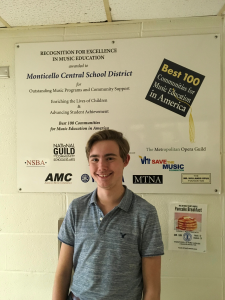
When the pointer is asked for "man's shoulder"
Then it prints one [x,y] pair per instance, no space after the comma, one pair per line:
[81,202]
[140,203]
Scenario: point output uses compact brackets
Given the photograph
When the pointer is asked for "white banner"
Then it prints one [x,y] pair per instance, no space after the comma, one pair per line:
[187,227]
[162,93]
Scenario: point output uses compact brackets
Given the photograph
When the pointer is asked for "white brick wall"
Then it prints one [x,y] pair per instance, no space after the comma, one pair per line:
[28,222]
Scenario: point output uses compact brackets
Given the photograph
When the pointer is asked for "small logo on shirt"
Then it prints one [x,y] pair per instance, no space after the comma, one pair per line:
[122,234]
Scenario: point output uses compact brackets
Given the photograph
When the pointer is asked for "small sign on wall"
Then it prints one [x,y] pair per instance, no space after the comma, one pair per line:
[187,227]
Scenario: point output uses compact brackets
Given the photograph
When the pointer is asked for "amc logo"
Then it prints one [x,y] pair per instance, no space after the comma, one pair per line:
[58,177]
[35,163]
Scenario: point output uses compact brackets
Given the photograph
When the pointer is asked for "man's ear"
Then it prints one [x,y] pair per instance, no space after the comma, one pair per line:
[126,161]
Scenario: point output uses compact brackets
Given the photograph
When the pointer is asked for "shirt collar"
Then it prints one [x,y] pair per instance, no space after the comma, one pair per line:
[124,204]
[93,197]
[126,201]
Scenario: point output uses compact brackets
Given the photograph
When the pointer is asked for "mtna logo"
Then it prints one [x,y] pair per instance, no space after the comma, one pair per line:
[147,179]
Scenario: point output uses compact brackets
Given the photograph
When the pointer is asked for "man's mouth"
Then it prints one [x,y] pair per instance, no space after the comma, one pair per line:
[104,175]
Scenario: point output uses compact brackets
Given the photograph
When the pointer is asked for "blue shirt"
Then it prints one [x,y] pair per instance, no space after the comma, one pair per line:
[108,249]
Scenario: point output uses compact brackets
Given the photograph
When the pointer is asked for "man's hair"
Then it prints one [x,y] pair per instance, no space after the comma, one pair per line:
[109,135]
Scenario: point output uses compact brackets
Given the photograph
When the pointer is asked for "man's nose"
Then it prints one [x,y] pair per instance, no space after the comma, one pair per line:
[102,164]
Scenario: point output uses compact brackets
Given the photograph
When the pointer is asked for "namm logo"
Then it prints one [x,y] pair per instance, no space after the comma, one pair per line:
[35,163]
[59,178]
[147,179]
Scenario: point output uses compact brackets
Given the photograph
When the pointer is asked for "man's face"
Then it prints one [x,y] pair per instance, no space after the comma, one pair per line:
[106,164]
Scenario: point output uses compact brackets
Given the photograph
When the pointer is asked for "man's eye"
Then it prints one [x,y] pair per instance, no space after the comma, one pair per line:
[94,159]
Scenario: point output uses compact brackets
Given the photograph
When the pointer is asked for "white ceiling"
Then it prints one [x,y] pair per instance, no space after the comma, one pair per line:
[14,13]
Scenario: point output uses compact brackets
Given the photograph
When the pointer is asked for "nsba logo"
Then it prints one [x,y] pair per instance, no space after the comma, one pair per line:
[35,163]
[59,178]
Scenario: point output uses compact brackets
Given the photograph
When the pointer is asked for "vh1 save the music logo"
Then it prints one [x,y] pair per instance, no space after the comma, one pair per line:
[175,87]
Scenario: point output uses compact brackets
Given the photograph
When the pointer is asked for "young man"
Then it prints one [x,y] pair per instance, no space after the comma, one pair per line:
[111,237]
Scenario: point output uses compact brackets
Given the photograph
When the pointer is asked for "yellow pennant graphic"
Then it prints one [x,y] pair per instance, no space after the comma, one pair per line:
[191,121]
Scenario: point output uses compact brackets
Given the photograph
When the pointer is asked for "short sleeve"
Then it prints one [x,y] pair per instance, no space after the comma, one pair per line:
[152,244]
[67,232]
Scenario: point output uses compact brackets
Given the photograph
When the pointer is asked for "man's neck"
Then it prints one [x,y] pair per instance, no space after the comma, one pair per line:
[108,199]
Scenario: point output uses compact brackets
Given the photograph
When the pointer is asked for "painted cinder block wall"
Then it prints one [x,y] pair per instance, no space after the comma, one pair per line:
[28,221]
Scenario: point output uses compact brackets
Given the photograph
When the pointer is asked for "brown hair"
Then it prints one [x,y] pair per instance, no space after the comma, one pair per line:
[110,135]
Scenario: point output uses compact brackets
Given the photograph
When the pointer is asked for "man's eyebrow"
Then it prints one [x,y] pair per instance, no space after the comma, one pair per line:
[108,154]
[93,155]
